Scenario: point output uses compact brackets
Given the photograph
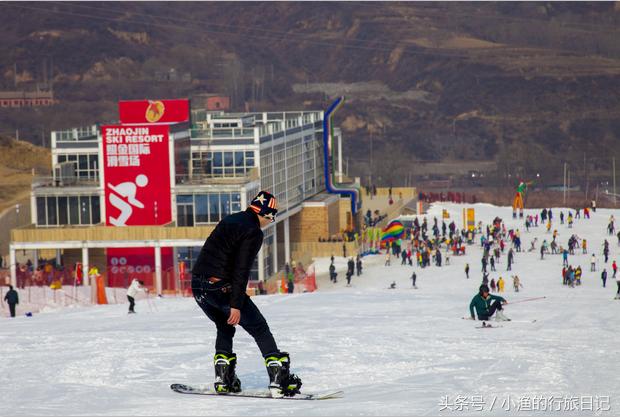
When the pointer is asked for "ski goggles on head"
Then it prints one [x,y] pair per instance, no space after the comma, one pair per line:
[265,205]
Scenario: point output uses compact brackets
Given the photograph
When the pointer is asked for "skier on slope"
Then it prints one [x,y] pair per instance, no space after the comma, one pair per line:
[350,270]
[219,281]
[132,291]
[486,305]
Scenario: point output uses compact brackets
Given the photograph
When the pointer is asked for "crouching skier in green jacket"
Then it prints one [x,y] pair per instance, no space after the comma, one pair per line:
[486,305]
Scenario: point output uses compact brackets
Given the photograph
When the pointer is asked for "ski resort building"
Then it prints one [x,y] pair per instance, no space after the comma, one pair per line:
[138,198]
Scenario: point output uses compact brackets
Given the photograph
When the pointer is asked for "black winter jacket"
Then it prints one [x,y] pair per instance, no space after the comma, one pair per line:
[229,253]
[11,297]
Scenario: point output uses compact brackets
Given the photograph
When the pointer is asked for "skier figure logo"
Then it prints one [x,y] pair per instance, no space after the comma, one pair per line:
[128,191]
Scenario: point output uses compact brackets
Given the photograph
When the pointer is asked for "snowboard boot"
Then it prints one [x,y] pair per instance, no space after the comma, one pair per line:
[282,383]
[499,316]
[225,378]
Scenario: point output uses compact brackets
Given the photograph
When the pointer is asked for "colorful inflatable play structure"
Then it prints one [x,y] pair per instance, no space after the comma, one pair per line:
[394,230]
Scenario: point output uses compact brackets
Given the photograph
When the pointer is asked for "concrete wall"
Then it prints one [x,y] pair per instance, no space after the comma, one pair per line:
[307,250]
[314,222]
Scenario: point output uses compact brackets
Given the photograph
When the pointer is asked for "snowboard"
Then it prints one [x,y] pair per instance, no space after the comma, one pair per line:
[208,390]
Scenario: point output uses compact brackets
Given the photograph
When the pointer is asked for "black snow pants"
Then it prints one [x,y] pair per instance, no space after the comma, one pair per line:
[216,305]
[132,303]
[496,305]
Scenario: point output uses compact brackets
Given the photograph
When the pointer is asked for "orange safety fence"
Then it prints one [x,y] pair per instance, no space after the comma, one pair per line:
[101,297]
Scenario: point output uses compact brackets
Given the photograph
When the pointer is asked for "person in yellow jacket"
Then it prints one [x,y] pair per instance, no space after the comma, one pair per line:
[500,284]
[584,246]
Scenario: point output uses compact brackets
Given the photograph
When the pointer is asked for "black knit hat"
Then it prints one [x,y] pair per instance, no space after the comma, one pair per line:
[265,204]
[484,288]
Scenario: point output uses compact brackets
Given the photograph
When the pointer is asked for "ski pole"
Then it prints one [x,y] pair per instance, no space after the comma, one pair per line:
[527,299]
[151,304]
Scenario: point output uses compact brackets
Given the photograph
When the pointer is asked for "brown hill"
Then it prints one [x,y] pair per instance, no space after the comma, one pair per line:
[526,86]
[19,160]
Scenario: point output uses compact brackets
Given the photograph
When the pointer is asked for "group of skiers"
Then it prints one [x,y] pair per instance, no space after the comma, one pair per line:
[354,267]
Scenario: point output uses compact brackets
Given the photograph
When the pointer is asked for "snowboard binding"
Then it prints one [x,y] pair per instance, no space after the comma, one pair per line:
[226,380]
[281,382]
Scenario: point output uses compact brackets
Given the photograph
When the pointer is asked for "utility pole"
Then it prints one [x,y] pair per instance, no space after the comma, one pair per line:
[568,182]
[585,174]
[564,184]
[613,164]
[339,157]
[371,158]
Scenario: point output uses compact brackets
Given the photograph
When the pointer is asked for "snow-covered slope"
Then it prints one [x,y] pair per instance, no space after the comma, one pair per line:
[393,352]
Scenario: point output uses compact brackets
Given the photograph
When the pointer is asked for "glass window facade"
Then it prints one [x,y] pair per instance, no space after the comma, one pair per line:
[64,210]
[268,252]
[293,169]
[223,163]
[86,165]
[206,208]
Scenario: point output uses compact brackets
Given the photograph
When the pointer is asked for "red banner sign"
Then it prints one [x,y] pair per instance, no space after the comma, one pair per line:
[154,111]
[125,264]
[136,169]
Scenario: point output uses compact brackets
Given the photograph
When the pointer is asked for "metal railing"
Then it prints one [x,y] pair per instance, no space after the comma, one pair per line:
[49,181]
[250,175]
[215,134]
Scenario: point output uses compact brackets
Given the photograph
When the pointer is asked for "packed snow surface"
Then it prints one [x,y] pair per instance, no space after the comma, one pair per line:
[396,351]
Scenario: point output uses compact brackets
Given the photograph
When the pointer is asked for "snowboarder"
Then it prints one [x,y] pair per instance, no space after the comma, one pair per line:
[132,291]
[486,305]
[219,281]
[604,277]
[12,299]
[467,270]
[414,277]
[393,285]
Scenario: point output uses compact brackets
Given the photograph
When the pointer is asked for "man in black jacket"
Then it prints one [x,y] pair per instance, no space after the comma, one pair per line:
[219,281]
[12,299]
